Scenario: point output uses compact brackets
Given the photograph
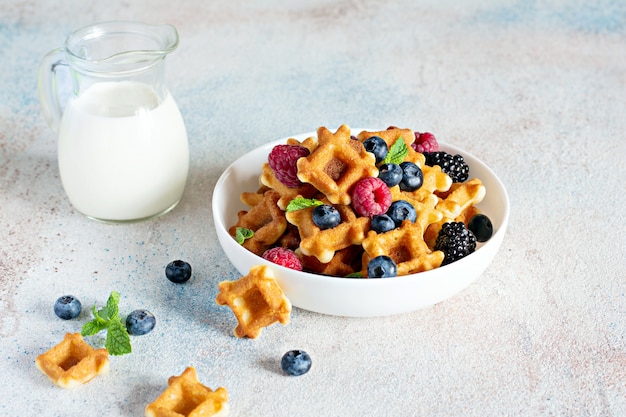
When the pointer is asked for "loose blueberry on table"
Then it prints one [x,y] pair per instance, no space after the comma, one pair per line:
[140,322]
[296,362]
[178,271]
[67,307]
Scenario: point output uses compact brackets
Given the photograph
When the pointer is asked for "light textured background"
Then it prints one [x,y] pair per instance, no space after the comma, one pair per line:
[537,89]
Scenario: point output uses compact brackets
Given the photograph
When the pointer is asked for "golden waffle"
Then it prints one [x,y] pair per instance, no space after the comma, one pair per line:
[336,164]
[405,245]
[345,262]
[324,243]
[266,220]
[185,396]
[457,205]
[251,199]
[310,143]
[256,300]
[391,135]
[73,362]
[268,178]
[425,209]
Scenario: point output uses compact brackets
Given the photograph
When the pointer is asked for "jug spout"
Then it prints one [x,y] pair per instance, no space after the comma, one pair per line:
[120,47]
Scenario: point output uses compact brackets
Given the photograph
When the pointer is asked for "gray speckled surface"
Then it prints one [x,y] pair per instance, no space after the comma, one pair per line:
[535,89]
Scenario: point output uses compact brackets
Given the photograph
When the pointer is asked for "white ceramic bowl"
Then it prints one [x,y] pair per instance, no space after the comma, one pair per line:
[358,297]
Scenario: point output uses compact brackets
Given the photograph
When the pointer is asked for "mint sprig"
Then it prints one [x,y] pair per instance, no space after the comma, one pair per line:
[107,318]
[397,152]
[242,234]
[301,203]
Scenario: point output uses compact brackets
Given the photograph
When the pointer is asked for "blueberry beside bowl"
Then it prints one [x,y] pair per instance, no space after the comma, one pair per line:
[359,297]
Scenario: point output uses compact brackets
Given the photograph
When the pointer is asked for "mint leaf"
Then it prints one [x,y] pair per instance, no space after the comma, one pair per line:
[302,203]
[117,341]
[112,305]
[241,234]
[354,275]
[93,327]
[397,152]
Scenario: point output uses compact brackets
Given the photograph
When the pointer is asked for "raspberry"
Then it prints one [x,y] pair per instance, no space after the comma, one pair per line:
[284,257]
[455,241]
[282,159]
[455,166]
[370,196]
[425,142]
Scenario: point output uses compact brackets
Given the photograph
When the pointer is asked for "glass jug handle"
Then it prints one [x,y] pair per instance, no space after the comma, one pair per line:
[47,87]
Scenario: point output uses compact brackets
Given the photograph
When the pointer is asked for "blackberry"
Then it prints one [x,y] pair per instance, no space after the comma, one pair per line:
[453,165]
[456,241]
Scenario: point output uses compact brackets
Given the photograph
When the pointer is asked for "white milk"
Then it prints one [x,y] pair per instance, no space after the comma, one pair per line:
[118,163]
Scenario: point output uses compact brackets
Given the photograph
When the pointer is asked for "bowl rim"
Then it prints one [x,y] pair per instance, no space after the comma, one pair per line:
[495,239]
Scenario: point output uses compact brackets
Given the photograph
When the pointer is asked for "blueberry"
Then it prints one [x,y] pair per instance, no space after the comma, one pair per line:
[382,267]
[382,223]
[481,226]
[178,271]
[391,174]
[140,322]
[412,176]
[296,362]
[67,307]
[326,216]
[400,211]
[377,146]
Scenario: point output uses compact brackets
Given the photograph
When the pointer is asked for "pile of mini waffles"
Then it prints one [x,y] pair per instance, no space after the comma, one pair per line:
[363,205]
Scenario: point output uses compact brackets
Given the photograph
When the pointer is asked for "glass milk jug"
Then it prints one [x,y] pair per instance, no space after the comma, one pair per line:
[122,144]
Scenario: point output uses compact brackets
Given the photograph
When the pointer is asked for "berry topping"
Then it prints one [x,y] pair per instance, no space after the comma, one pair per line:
[391,174]
[425,142]
[140,322]
[284,257]
[377,146]
[381,267]
[481,226]
[282,159]
[454,166]
[296,362]
[370,196]
[178,271]
[326,216]
[67,307]
[382,223]
[412,176]
[455,241]
[400,211]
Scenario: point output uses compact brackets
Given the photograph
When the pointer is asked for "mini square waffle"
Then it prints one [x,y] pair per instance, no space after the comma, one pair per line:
[266,220]
[73,362]
[187,397]
[323,244]
[406,246]
[256,300]
[336,164]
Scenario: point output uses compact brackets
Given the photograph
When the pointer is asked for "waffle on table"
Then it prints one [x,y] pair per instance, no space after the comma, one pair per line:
[185,396]
[73,362]
[256,300]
